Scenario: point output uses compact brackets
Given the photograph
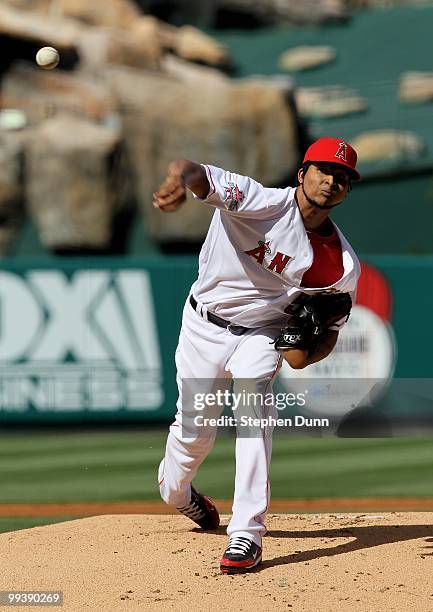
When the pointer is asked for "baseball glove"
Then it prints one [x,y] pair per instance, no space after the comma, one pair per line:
[312,316]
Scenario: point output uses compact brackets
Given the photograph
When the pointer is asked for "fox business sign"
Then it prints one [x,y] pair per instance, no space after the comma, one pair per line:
[82,341]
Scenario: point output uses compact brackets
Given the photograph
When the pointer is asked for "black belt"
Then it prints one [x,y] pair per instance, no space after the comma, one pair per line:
[237,330]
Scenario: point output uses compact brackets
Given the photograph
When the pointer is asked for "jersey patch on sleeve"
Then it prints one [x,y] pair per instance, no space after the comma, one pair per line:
[233,196]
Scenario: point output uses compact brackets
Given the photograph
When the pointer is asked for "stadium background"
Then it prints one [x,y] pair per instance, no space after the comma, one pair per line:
[102,453]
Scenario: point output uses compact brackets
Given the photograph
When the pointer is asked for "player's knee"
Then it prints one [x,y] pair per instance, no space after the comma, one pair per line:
[175,497]
[167,494]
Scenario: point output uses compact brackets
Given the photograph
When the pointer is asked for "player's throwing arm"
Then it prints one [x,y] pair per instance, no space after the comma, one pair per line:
[181,174]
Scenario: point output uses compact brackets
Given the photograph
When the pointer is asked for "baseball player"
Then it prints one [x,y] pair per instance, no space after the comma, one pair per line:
[269,270]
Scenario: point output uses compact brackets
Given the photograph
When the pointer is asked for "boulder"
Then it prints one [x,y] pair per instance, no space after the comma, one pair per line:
[72,183]
[131,43]
[139,47]
[306,57]
[41,29]
[193,45]
[294,11]
[11,188]
[383,4]
[115,13]
[136,41]
[416,87]
[380,145]
[246,126]
[195,74]
[330,101]
[186,42]
[315,11]
[122,13]
[41,94]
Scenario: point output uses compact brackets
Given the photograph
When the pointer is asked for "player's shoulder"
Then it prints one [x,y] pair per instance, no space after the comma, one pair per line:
[282,195]
[229,179]
[245,194]
[224,174]
[289,192]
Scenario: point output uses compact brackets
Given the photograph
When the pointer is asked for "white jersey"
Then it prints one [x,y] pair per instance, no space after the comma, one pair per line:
[256,252]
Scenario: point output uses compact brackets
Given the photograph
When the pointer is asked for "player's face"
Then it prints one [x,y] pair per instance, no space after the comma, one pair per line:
[325,184]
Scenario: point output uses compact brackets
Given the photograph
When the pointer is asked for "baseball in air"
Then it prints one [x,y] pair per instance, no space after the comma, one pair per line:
[47,58]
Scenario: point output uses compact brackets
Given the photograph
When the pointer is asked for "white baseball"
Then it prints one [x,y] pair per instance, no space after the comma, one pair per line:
[47,58]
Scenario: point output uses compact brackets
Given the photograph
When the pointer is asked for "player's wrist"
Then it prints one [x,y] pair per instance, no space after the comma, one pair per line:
[296,358]
[177,169]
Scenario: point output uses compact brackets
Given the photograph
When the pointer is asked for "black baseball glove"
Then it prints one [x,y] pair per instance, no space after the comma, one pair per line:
[311,317]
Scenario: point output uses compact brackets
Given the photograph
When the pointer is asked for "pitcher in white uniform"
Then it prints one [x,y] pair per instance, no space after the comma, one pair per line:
[264,248]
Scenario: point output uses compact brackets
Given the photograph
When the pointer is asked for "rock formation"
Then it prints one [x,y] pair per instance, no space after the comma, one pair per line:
[382,145]
[131,83]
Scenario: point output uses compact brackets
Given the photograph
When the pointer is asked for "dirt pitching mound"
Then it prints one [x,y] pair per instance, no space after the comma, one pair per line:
[356,562]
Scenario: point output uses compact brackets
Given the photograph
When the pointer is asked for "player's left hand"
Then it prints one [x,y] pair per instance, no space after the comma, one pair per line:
[312,316]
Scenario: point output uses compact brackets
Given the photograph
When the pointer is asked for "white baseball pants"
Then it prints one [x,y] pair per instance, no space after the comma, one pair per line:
[212,356]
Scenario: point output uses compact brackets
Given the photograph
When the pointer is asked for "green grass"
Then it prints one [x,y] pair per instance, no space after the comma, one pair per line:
[15,524]
[93,466]
[120,466]
[353,468]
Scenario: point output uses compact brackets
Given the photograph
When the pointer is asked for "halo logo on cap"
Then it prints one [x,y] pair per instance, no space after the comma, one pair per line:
[342,151]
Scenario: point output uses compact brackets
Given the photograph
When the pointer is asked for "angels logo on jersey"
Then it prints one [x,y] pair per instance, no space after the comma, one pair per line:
[279,261]
[233,196]
[342,151]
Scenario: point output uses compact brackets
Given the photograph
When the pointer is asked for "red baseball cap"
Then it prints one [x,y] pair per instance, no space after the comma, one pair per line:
[334,151]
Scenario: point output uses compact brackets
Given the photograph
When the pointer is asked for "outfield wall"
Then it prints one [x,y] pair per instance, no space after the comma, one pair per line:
[94,339]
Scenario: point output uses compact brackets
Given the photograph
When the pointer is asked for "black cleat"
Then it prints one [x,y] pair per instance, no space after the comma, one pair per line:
[201,510]
[241,555]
